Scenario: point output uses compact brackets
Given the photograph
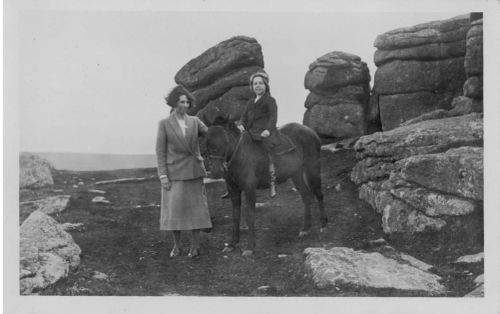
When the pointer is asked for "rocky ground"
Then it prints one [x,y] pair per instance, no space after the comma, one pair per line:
[123,252]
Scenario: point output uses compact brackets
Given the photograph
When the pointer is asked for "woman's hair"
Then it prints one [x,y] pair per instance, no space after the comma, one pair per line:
[264,77]
[176,93]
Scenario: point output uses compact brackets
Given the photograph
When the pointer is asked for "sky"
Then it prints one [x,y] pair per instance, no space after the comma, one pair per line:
[94,81]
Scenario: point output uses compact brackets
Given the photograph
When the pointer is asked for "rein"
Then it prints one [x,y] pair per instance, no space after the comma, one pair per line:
[226,163]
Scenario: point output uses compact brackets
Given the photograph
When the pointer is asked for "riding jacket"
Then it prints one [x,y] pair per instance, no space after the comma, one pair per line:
[259,116]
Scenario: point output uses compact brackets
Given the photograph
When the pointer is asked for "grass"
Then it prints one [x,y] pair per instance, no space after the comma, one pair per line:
[125,242]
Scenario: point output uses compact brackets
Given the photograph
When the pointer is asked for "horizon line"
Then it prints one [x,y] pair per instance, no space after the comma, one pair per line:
[84,153]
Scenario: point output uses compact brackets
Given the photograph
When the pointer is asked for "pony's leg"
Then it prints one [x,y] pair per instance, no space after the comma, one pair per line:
[235,195]
[305,192]
[314,178]
[250,196]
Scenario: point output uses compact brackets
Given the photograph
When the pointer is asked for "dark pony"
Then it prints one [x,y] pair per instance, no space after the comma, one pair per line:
[244,166]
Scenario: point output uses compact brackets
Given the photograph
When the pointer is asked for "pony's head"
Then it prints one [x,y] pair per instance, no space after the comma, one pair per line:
[217,149]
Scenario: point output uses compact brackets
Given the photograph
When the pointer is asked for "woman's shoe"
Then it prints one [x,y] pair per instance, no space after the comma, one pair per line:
[175,252]
[194,253]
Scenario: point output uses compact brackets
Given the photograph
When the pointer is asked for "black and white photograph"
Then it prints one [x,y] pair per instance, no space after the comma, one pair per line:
[251,157]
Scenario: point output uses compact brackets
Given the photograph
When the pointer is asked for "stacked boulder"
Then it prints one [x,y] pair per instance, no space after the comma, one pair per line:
[34,171]
[472,99]
[419,69]
[218,78]
[339,85]
[422,175]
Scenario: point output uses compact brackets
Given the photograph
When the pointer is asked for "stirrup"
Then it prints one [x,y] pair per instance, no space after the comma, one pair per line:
[272,189]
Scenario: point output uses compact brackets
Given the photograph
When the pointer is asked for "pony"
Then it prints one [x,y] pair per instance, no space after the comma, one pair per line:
[243,164]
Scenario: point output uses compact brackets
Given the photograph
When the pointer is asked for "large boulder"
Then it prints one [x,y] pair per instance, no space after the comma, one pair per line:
[433,51]
[220,60]
[397,215]
[474,49]
[401,77]
[415,177]
[431,40]
[341,265]
[457,171]
[426,137]
[431,32]
[34,171]
[473,87]
[472,99]
[224,84]
[334,70]
[47,252]
[341,121]
[51,204]
[395,110]
[230,105]
[219,78]
[420,69]
[339,94]
[356,94]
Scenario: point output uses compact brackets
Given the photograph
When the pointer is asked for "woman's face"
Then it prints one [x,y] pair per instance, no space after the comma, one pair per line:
[182,104]
[258,85]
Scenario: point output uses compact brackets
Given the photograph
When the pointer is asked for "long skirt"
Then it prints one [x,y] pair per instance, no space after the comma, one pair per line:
[184,206]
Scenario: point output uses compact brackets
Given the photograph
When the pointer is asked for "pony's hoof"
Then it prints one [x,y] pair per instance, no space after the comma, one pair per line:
[303,234]
[227,249]
[323,230]
[247,253]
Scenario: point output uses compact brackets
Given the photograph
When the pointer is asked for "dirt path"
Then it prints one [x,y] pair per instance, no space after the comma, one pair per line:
[123,242]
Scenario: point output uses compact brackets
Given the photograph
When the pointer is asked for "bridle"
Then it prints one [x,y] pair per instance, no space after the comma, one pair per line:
[227,163]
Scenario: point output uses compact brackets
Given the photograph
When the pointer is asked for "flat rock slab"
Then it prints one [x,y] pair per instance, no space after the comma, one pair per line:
[100,200]
[479,280]
[476,293]
[467,259]
[68,226]
[426,137]
[341,265]
[96,191]
[50,205]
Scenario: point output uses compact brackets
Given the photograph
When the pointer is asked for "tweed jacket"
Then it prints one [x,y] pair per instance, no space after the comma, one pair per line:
[179,156]
[259,116]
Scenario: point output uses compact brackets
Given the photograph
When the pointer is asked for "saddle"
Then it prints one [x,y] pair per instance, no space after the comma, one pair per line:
[282,144]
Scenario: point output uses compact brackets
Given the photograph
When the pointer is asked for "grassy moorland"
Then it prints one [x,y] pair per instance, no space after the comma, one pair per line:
[122,240]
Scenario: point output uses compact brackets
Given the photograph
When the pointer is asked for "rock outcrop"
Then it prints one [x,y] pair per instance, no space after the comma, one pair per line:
[427,166]
[34,172]
[219,78]
[420,69]
[341,265]
[47,252]
[417,175]
[471,99]
[339,94]
[50,205]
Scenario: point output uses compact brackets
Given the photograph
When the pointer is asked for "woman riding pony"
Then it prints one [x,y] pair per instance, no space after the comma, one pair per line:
[259,119]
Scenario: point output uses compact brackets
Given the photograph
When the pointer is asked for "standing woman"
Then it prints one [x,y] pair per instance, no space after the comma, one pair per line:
[259,119]
[181,171]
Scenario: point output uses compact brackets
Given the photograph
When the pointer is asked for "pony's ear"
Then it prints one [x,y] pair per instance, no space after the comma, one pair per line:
[221,120]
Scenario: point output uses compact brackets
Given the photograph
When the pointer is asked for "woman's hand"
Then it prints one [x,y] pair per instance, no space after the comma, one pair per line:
[241,128]
[165,183]
[265,133]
